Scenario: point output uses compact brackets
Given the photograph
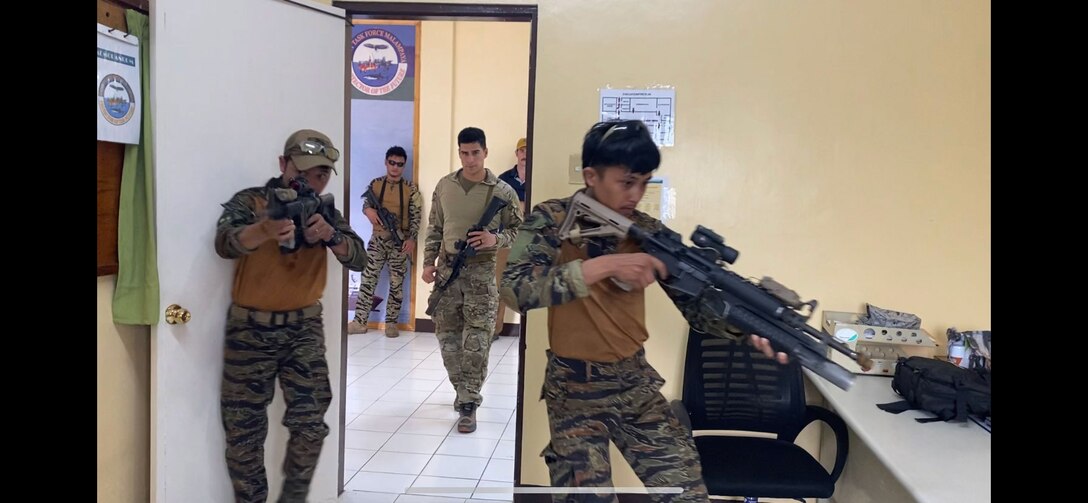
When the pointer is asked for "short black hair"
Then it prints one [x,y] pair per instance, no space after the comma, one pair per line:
[472,135]
[626,143]
[396,150]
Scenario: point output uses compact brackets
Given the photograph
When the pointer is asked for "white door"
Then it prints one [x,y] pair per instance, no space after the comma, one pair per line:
[231,79]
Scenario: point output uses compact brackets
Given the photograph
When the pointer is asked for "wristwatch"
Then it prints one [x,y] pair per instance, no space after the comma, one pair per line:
[337,238]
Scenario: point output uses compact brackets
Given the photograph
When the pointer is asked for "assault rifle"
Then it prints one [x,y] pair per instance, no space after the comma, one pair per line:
[464,250]
[388,219]
[299,203]
[767,309]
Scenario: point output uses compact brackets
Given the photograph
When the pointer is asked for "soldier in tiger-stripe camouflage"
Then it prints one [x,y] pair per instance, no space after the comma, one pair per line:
[274,325]
[401,197]
[598,386]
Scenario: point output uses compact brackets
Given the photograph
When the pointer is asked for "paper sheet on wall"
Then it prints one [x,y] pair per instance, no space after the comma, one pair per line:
[659,201]
[654,107]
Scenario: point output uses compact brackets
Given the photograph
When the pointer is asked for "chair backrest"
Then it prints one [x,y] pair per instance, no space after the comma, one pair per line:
[730,385]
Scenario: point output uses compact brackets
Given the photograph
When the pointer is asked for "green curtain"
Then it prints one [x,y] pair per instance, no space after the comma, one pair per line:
[136,296]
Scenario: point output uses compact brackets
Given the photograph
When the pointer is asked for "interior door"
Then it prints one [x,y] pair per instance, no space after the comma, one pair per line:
[230,81]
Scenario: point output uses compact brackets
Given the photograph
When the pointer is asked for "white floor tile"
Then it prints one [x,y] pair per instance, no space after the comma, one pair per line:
[440,411]
[356,392]
[501,470]
[397,462]
[416,396]
[417,384]
[500,401]
[511,432]
[422,426]
[489,389]
[494,496]
[356,406]
[366,496]
[431,364]
[442,396]
[395,483]
[399,409]
[403,363]
[380,371]
[354,459]
[453,487]
[430,374]
[502,379]
[417,498]
[493,415]
[462,467]
[362,358]
[505,450]
[376,423]
[370,440]
[483,430]
[465,445]
[409,442]
[349,473]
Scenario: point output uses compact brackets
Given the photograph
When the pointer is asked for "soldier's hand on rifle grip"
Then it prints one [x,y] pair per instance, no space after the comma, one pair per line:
[428,274]
[280,230]
[764,346]
[317,229]
[482,239]
[372,215]
[638,270]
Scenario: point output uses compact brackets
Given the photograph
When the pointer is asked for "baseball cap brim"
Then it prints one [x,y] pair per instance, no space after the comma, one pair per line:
[304,162]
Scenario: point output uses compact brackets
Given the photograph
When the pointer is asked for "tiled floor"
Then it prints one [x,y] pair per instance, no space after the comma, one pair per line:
[401,429]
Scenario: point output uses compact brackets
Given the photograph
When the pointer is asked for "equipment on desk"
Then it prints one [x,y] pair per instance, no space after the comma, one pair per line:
[730,385]
[941,388]
[969,349]
[883,345]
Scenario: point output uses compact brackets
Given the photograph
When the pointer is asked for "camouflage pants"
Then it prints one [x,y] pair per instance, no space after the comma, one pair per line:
[255,354]
[380,251]
[464,319]
[590,404]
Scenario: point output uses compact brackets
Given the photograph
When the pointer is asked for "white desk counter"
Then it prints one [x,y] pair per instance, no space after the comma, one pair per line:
[935,462]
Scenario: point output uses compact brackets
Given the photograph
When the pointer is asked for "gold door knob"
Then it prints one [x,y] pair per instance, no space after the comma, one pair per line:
[176,314]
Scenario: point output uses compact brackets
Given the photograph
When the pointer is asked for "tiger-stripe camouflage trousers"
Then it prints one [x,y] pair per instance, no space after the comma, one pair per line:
[592,403]
[261,346]
[380,251]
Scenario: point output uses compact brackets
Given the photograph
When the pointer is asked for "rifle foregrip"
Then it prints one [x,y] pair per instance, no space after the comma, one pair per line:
[788,343]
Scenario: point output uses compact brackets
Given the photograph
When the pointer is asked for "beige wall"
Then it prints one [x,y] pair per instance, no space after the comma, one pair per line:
[124,356]
[841,146]
[471,74]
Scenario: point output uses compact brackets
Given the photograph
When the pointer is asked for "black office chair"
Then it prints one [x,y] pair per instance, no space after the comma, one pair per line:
[732,386]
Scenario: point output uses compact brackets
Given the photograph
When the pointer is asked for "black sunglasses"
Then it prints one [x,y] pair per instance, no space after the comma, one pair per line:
[395,163]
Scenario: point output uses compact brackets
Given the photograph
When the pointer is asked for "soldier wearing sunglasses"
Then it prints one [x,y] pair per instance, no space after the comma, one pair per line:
[402,198]
[274,324]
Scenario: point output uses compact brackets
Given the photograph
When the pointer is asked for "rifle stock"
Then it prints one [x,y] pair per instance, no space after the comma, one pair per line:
[767,309]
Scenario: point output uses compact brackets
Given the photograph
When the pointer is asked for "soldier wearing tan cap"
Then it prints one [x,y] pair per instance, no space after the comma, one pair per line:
[274,324]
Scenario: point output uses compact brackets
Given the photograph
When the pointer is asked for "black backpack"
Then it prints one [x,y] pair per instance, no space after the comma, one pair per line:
[941,388]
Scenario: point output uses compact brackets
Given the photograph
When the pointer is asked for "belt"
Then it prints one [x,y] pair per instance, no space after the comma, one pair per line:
[586,371]
[274,318]
[488,256]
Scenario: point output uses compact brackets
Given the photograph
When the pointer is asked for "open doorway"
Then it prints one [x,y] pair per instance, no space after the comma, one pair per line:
[433,70]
